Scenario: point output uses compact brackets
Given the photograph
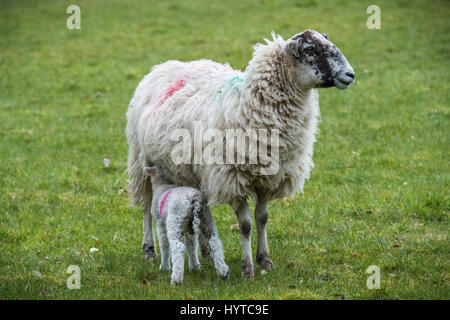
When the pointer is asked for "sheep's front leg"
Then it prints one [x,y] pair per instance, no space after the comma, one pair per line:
[240,208]
[148,238]
[261,216]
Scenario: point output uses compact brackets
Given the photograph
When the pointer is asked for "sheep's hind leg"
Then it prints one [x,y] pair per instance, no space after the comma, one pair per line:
[261,216]
[240,208]
[148,238]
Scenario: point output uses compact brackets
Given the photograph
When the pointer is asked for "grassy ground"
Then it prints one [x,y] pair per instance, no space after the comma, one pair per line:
[378,194]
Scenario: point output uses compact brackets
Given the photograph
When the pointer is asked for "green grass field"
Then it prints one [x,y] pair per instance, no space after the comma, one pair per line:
[378,195]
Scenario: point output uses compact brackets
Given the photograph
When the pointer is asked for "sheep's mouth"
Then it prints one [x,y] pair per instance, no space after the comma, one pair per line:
[341,83]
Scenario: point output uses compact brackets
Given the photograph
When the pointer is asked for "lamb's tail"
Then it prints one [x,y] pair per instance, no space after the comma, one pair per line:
[196,208]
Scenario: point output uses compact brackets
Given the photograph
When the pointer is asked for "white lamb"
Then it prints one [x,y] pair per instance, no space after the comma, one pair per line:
[275,93]
[180,215]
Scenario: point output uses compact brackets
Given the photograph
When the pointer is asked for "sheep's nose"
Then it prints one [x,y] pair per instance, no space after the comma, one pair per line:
[350,75]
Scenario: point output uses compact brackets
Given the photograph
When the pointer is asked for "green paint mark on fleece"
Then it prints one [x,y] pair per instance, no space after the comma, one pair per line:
[231,86]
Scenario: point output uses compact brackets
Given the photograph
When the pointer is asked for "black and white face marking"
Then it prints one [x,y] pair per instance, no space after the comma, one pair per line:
[317,62]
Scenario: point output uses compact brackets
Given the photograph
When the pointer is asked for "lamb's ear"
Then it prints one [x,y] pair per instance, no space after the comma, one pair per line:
[150,170]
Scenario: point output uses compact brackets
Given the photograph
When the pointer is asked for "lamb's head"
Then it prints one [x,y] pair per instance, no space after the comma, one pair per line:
[315,62]
[156,174]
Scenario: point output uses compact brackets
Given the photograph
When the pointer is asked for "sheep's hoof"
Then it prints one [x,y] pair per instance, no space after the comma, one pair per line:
[264,261]
[248,274]
[247,269]
[149,251]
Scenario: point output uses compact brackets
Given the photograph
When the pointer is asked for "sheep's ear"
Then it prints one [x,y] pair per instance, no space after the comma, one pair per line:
[293,47]
[150,170]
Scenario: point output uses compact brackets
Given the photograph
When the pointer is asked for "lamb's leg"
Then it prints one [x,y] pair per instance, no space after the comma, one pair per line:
[209,231]
[204,246]
[164,246]
[217,255]
[175,234]
[240,208]
[177,254]
[148,238]
[191,243]
[261,216]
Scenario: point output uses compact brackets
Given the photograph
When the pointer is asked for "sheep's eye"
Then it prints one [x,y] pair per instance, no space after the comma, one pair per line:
[309,50]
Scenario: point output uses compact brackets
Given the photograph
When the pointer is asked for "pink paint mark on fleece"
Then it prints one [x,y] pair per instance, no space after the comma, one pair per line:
[163,202]
[172,89]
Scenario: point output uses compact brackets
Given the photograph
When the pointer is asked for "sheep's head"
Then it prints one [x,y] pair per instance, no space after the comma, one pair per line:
[315,62]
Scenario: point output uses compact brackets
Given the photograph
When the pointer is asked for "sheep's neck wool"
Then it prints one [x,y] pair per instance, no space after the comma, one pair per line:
[163,202]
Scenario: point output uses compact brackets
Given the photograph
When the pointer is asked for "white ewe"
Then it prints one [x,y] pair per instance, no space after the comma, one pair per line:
[180,215]
[276,93]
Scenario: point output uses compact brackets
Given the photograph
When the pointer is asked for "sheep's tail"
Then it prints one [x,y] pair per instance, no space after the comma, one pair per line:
[196,208]
[138,185]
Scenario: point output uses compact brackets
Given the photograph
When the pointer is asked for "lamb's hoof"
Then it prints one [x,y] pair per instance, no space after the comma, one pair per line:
[223,272]
[149,251]
[226,276]
[163,267]
[195,268]
[265,262]
[176,282]
[206,253]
